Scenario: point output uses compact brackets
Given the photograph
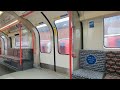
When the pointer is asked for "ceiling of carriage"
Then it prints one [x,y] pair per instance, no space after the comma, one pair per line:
[35,17]
[52,15]
[20,13]
[5,19]
[84,15]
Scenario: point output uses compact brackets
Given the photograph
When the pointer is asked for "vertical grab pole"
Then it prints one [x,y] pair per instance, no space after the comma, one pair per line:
[20,34]
[70,43]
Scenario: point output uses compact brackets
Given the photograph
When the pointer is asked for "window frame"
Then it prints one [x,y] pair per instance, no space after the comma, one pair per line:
[5,43]
[104,33]
[40,39]
[58,32]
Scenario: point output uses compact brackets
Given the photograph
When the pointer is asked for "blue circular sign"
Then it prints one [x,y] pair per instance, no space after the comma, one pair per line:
[91,59]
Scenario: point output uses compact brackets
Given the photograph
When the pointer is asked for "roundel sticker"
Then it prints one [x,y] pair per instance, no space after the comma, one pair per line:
[91,59]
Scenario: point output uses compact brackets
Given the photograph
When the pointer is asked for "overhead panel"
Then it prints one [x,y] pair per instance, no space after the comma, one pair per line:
[53,15]
[84,15]
[26,15]
[6,18]
[35,17]
[20,13]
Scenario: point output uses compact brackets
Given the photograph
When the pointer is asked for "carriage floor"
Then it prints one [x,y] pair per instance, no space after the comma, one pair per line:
[34,74]
[4,70]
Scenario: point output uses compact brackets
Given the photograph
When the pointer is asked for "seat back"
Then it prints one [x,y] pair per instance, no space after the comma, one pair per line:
[10,51]
[113,62]
[15,52]
[92,60]
[27,54]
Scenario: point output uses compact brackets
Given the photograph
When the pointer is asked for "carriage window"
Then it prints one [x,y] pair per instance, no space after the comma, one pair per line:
[45,38]
[25,39]
[63,35]
[112,32]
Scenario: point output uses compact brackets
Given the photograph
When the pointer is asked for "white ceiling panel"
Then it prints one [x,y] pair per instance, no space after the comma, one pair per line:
[20,13]
[36,17]
[6,18]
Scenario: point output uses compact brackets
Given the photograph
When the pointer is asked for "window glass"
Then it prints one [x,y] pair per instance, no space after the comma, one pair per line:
[63,35]
[25,39]
[112,32]
[45,38]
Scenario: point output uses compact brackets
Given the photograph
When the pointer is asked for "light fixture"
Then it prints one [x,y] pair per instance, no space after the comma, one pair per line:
[14,22]
[42,25]
[3,36]
[1,12]
[62,20]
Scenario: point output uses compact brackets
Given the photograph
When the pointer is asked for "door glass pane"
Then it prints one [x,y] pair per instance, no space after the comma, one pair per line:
[63,35]
[45,38]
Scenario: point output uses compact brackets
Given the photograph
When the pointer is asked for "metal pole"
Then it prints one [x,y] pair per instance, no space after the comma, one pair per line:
[70,42]
[20,34]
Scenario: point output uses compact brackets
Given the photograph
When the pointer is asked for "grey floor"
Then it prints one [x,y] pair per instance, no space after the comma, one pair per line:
[4,70]
[35,73]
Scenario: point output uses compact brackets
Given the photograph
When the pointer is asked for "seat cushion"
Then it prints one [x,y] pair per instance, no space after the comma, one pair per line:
[2,56]
[92,60]
[8,61]
[110,76]
[87,74]
[9,57]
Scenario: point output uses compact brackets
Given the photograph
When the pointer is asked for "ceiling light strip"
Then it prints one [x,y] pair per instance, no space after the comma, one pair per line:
[8,26]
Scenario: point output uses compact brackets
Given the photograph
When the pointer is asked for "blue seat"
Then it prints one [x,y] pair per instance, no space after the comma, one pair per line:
[92,65]
[87,74]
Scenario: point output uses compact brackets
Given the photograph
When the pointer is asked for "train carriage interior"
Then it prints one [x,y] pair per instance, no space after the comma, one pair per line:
[98,46]
[59,44]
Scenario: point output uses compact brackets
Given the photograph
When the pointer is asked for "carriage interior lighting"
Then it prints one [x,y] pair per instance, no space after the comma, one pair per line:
[9,24]
[3,36]
[62,20]
[43,25]
[1,12]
